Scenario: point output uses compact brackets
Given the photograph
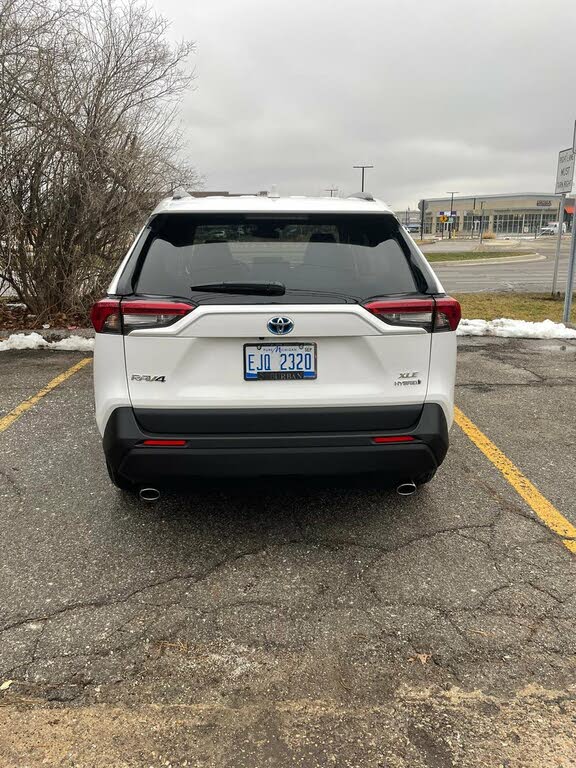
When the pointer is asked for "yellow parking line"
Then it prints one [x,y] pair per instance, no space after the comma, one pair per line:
[545,510]
[10,418]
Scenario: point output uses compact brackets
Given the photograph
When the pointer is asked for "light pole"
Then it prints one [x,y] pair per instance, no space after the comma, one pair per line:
[363,168]
[451,211]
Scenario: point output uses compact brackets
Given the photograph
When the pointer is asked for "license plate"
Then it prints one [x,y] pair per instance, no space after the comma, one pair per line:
[279,362]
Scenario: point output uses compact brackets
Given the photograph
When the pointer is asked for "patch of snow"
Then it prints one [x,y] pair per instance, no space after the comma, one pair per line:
[23,341]
[35,341]
[520,329]
[73,343]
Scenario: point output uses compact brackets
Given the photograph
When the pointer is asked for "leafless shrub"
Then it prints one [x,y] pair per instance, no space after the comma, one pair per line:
[88,93]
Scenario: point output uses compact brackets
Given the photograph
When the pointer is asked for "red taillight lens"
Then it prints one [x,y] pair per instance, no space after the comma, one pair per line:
[167,443]
[429,314]
[393,439]
[414,313]
[105,316]
[152,314]
[448,314]
[115,316]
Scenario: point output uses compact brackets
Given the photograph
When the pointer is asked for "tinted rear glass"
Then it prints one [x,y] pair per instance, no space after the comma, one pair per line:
[356,256]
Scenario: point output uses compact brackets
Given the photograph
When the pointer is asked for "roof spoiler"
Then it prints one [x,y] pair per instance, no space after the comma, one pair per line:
[363,196]
[180,193]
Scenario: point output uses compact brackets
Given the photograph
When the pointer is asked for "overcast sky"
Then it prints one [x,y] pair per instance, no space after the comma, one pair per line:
[476,97]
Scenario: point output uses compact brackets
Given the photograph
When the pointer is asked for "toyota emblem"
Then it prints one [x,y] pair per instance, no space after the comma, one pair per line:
[280,325]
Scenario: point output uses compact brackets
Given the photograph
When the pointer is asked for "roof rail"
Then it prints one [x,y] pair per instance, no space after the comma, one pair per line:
[363,196]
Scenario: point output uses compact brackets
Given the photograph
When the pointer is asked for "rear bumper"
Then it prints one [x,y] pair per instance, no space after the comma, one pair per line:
[262,452]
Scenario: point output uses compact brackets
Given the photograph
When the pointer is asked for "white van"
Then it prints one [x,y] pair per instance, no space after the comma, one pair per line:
[552,228]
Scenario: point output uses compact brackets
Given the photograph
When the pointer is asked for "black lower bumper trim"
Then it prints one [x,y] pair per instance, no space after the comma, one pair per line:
[304,453]
[276,421]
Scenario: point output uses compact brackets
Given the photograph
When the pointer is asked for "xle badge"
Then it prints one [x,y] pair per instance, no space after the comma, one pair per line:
[407,379]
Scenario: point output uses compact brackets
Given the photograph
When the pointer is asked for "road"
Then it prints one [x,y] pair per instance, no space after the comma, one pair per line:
[524,276]
[291,623]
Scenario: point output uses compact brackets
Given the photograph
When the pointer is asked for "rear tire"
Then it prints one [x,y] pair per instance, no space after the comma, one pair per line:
[119,482]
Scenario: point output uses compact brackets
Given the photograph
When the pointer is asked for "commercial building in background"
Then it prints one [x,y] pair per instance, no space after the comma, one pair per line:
[515,214]
[409,216]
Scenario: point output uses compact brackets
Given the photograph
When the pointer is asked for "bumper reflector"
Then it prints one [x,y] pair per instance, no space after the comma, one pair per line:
[167,443]
[393,439]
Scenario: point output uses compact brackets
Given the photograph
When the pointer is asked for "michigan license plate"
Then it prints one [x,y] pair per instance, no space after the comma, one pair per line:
[279,362]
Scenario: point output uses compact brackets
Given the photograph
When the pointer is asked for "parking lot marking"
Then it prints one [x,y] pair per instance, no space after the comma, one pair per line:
[539,504]
[12,416]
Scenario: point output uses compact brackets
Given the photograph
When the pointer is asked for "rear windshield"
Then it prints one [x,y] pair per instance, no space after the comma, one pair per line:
[355,256]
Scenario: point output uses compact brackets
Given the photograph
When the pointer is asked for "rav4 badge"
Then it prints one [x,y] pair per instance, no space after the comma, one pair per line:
[146,377]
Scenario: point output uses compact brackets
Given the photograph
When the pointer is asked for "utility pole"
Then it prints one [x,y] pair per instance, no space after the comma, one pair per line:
[363,168]
[451,211]
[571,267]
[481,221]
[572,257]
[422,218]
[331,190]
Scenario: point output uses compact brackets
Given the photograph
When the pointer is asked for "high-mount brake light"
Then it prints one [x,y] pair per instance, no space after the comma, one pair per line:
[115,316]
[432,315]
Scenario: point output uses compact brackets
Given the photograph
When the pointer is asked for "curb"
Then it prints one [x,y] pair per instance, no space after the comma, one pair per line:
[498,260]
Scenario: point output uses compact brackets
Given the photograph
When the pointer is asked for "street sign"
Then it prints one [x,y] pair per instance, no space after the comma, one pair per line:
[565,172]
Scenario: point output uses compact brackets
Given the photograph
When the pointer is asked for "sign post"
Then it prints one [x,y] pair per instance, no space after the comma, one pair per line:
[572,259]
[564,180]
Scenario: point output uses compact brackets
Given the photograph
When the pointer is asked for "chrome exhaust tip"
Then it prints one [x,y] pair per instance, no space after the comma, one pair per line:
[149,494]
[406,489]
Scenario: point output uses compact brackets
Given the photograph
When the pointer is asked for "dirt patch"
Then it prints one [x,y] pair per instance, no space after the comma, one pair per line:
[415,729]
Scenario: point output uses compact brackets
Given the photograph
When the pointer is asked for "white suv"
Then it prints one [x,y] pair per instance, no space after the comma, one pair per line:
[273,336]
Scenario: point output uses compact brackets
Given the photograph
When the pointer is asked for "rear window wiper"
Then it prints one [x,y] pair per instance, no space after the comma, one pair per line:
[256,289]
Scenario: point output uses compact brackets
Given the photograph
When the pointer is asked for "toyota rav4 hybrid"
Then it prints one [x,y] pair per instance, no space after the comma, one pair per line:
[254,336]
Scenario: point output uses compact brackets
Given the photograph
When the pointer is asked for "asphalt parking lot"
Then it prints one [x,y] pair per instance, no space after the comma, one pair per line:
[310,623]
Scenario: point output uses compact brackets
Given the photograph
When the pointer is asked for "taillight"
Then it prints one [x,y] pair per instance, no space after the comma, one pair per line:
[432,315]
[152,314]
[105,316]
[448,314]
[414,313]
[115,316]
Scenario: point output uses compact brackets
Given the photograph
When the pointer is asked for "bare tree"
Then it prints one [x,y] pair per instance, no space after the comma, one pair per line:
[88,143]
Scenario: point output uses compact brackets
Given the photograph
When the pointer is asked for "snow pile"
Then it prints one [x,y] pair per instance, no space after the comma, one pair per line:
[521,329]
[504,327]
[73,343]
[35,341]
